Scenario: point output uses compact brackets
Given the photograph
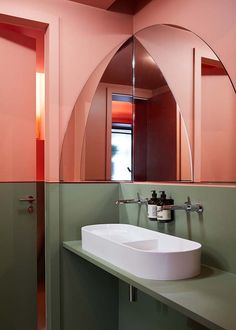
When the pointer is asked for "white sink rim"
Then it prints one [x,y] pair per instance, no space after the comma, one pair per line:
[156,264]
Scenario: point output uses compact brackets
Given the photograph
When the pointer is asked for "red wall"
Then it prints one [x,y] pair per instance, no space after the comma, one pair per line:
[40,160]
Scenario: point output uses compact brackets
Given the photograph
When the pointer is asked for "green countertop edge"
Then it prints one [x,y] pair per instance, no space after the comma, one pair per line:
[208,298]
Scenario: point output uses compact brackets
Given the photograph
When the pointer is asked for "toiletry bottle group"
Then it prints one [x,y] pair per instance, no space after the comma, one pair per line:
[155,207]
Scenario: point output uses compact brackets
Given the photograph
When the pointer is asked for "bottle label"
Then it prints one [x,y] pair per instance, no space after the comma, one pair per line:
[152,211]
[163,215]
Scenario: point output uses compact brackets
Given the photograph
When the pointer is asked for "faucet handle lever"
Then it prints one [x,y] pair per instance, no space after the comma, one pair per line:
[197,207]
[188,205]
[141,200]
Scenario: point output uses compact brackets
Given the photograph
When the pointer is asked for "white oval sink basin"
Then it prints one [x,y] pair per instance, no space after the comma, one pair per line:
[142,252]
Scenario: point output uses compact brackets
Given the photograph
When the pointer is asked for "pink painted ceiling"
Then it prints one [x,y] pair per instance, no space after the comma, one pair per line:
[122,6]
[104,4]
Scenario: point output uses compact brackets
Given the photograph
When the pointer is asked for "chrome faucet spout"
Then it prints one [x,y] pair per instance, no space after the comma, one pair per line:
[187,206]
[126,201]
[173,207]
[138,201]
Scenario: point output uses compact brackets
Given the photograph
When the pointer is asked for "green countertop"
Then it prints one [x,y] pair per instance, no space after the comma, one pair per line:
[209,298]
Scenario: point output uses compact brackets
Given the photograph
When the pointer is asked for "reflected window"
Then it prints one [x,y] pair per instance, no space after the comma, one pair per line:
[121,140]
[121,137]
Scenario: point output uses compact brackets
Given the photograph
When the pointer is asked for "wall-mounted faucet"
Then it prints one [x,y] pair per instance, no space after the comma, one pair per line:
[139,201]
[187,206]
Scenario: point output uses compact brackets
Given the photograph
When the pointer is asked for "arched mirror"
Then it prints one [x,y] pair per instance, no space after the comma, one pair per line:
[162,109]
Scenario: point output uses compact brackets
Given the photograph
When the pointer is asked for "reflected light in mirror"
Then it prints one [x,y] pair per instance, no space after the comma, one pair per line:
[122,112]
[40,105]
[147,58]
[121,154]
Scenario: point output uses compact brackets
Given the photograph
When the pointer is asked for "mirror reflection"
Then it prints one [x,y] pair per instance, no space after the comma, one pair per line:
[163,108]
[108,139]
[160,139]
[218,120]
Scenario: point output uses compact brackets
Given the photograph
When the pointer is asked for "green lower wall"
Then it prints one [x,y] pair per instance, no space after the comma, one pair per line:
[146,313]
[89,296]
[52,255]
[18,258]
[86,204]
[93,299]
[215,229]
[149,314]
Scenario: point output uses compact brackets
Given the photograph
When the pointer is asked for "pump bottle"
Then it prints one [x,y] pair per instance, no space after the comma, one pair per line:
[152,206]
[164,215]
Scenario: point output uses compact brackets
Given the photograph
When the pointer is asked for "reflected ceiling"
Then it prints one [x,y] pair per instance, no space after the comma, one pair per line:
[119,70]
[130,7]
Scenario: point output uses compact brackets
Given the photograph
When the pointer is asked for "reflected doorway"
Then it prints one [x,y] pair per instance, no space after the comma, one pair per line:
[121,138]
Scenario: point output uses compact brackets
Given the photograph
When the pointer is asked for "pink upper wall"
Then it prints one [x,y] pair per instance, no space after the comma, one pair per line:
[17,103]
[38,35]
[212,20]
[78,38]
[88,35]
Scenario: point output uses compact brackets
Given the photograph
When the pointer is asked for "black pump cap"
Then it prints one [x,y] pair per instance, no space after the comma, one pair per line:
[163,194]
[154,194]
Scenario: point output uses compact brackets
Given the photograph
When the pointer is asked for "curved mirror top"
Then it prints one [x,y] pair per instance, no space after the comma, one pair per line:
[159,110]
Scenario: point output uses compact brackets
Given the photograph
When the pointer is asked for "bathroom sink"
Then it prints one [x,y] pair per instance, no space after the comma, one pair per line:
[142,252]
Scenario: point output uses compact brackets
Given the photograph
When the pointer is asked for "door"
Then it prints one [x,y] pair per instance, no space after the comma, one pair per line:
[18,261]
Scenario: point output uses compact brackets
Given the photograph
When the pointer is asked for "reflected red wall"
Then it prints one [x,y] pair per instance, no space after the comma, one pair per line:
[161,142]
[140,140]
[155,139]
